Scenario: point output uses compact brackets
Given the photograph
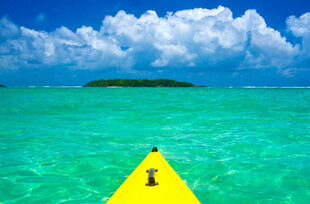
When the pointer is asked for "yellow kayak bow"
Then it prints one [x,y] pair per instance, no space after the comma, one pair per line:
[153,182]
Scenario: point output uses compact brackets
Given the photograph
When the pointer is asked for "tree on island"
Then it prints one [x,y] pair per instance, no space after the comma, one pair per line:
[138,83]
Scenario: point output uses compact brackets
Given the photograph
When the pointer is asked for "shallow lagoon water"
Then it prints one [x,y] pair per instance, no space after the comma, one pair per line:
[77,145]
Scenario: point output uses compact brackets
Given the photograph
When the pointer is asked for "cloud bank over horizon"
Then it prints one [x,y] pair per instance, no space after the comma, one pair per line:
[195,40]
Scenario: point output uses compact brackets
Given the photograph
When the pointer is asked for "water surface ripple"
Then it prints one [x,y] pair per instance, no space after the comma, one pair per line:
[77,145]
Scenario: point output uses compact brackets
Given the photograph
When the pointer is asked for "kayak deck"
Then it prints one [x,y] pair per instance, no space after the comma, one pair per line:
[140,186]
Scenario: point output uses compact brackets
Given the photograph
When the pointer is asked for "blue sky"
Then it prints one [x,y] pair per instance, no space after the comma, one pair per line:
[217,43]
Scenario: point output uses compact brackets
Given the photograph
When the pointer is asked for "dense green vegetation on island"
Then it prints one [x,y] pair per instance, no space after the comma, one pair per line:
[2,85]
[138,83]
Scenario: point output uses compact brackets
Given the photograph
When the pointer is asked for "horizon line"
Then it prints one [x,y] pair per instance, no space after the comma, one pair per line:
[246,87]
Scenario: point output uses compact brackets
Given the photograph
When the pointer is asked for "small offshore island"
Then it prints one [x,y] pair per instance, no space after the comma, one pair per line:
[138,83]
[2,85]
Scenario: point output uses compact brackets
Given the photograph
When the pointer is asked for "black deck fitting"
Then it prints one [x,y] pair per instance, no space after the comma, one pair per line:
[151,177]
[154,149]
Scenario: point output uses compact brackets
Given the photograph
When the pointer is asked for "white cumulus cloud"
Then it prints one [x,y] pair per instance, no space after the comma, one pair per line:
[191,40]
[300,27]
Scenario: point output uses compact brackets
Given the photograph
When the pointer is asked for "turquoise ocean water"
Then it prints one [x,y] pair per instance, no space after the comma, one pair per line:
[77,145]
